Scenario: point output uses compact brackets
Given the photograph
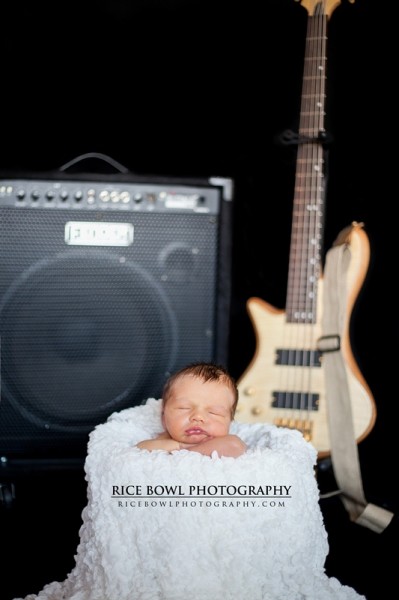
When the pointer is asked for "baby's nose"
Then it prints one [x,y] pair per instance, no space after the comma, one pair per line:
[197,416]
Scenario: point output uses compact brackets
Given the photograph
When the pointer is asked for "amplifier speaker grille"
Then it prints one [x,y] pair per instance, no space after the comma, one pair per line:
[89,330]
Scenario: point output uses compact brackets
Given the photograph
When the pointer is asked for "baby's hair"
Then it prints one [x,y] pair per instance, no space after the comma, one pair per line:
[206,372]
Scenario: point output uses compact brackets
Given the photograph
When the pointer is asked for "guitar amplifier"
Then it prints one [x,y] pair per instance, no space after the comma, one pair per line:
[106,287]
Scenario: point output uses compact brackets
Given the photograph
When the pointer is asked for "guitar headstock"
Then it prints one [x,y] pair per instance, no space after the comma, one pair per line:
[326,6]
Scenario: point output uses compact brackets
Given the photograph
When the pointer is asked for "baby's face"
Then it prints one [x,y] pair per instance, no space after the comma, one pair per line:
[197,410]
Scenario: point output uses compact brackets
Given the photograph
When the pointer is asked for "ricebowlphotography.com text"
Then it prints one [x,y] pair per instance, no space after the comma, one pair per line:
[276,496]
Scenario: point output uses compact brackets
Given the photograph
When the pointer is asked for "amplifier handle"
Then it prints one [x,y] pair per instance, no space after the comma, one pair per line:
[96,156]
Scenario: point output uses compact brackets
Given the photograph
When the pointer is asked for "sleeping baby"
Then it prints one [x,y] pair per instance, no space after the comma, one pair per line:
[198,406]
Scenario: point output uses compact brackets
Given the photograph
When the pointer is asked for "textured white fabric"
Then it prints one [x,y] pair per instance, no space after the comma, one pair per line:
[210,551]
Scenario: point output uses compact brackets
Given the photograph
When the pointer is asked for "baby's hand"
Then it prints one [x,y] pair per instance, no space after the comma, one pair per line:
[161,443]
[226,445]
[185,446]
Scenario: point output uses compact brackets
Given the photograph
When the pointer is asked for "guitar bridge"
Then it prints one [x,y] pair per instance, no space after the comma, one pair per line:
[302,425]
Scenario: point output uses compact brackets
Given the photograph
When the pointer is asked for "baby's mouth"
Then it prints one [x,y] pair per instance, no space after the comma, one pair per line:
[195,431]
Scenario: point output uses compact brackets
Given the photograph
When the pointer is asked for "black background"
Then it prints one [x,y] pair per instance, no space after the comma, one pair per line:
[193,88]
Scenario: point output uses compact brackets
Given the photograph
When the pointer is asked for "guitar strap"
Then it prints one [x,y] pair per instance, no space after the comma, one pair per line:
[344,450]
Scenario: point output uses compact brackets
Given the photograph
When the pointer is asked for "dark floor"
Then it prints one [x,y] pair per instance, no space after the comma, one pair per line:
[40,534]
[359,557]
[40,529]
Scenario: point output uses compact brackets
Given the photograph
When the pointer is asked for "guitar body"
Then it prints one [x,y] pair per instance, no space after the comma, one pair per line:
[285,382]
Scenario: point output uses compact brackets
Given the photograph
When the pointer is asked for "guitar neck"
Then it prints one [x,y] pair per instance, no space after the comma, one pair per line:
[309,193]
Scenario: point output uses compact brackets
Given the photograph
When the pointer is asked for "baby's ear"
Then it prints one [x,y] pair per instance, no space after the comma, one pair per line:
[163,419]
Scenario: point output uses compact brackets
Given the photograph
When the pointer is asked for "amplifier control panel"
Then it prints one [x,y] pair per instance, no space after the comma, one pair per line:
[47,194]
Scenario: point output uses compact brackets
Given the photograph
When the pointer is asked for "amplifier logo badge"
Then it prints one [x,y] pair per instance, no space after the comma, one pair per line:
[87,233]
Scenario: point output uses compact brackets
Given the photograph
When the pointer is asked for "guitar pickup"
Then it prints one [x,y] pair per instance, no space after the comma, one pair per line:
[298,358]
[296,400]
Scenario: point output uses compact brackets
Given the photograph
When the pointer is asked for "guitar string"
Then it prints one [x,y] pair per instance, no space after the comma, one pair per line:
[317,113]
[296,274]
[314,157]
[306,223]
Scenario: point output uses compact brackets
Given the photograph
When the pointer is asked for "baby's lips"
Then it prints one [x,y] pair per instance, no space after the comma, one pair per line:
[195,431]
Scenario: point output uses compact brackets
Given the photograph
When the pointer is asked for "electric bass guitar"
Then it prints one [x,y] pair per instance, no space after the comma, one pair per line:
[284,383]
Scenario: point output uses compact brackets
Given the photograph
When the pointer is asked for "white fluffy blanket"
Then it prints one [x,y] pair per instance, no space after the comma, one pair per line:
[162,526]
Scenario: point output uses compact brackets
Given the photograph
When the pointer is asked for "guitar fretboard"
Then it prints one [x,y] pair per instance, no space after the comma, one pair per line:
[308,209]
